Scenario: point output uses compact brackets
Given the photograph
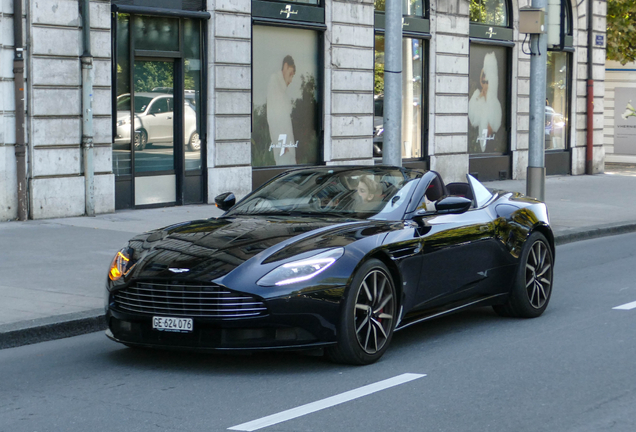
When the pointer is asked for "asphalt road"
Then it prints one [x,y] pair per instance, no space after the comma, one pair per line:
[573,369]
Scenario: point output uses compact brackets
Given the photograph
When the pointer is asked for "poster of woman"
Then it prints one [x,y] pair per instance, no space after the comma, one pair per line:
[486,113]
[284,101]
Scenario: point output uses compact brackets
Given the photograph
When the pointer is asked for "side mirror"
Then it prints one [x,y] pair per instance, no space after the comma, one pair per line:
[225,201]
[452,205]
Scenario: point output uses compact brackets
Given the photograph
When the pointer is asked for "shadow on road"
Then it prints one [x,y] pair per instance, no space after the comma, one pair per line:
[419,336]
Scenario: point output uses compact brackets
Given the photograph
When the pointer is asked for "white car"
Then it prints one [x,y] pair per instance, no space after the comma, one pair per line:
[154,113]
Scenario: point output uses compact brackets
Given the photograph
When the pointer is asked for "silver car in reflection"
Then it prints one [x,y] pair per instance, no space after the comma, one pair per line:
[154,113]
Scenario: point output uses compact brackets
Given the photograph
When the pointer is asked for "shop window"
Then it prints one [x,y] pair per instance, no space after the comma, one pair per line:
[558,83]
[557,101]
[409,7]
[285,113]
[489,12]
[415,30]
[412,97]
[491,37]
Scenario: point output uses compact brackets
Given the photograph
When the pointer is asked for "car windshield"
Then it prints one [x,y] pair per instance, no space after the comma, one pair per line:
[374,192]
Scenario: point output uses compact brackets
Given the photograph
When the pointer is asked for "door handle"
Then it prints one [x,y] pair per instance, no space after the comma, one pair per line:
[169,118]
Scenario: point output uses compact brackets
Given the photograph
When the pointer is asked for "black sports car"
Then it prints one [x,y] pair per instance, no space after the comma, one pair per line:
[333,257]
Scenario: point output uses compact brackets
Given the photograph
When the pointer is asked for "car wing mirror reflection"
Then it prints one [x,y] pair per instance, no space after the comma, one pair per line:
[225,201]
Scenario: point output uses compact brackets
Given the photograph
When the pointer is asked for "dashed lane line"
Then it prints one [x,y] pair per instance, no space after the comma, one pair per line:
[626,306]
[326,403]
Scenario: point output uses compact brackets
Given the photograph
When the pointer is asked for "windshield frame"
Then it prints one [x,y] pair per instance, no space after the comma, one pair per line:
[331,192]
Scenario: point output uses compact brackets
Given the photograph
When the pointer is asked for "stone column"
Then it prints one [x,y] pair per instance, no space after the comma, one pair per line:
[229,94]
[448,137]
[522,131]
[579,128]
[8,175]
[349,64]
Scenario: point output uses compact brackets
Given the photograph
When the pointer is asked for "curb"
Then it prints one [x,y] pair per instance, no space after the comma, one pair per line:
[51,328]
[75,324]
[588,233]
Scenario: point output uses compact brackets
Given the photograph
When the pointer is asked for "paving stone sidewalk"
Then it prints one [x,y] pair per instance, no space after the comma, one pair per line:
[52,272]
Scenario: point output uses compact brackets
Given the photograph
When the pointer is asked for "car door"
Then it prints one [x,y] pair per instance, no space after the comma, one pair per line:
[158,122]
[457,252]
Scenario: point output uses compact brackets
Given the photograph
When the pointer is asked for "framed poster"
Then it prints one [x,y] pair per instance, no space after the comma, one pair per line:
[488,104]
[285,109]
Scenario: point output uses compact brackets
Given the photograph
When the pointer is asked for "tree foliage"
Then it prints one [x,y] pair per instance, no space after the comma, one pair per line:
[621,30]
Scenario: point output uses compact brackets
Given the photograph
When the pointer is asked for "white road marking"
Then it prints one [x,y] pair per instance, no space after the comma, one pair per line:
[326,403]
[626,306]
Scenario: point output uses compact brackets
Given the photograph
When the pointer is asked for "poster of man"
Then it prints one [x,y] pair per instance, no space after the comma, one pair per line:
[486,114]
[279,110]
[285,103]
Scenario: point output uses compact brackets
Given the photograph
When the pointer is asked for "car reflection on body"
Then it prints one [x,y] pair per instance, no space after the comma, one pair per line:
[309,260]
[154,113]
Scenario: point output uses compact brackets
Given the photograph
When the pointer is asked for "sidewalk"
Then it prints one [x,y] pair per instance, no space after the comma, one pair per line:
[52,272]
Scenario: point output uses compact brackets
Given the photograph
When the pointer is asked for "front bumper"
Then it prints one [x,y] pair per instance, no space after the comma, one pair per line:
[292,322]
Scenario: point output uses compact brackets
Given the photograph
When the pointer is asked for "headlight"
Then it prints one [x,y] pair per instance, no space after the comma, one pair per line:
[301,270]
[121,264]
[122,122]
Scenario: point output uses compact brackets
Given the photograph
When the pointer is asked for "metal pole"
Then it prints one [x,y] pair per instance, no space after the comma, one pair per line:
[589,151]
[535,184]
[392,146]
[20,142]
[87,111]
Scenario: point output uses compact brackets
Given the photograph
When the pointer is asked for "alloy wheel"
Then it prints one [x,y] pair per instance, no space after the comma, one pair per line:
[538,274]
[374,311]
[195,142]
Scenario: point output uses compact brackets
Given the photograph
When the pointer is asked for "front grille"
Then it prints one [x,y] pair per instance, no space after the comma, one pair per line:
[187,300]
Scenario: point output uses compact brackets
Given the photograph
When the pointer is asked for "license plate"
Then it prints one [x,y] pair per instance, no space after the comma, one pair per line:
[180,325]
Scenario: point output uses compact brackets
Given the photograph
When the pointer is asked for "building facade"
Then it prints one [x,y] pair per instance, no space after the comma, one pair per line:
[193,98]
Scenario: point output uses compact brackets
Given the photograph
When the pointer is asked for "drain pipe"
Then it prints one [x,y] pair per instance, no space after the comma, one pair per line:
[87,110]
[18,78]
[589,151]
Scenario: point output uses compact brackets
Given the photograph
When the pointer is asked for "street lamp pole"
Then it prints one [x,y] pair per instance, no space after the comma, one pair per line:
[535,183]
[392,146]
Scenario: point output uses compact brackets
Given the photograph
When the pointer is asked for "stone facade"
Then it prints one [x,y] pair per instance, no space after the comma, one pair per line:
[53,97]
[53,109]
[617,76]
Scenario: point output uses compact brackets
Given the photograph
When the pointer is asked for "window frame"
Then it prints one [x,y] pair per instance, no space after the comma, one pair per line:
[125,183]
[556,158]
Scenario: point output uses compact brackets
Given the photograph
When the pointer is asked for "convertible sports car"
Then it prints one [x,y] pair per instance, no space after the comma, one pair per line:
[332,257]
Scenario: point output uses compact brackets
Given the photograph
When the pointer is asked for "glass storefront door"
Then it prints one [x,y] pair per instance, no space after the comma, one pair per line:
[154,143]
[158,151]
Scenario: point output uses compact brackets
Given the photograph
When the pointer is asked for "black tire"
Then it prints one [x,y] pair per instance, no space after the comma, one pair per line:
[141,139]
[532,288]
[194,143]
[368,316]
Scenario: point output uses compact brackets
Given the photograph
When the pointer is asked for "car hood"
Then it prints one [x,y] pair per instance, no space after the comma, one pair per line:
[205,250]
[123,114]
